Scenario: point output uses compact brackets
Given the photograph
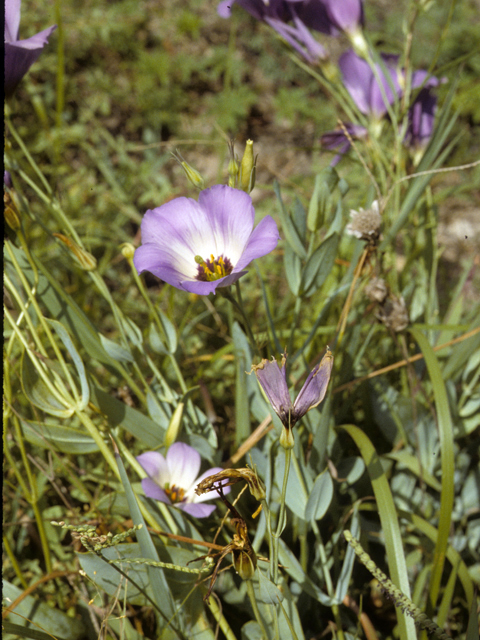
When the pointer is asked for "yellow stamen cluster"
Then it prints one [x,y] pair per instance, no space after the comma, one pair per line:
[214,269]
[176,494]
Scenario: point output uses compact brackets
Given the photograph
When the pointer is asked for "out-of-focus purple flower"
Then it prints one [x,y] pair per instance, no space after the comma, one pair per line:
[173,479]
[273,380]
[199,246]
[19,54]
[337,140]
[279,13]
[363,86]
[7,179]
[421,115]
[345,15]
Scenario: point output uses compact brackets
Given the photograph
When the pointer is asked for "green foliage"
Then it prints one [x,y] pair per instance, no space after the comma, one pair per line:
[102,365]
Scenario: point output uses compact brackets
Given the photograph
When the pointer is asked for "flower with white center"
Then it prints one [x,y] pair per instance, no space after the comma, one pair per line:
[19,54]
[365,223]
[172,479]
[199,246]
[273,381]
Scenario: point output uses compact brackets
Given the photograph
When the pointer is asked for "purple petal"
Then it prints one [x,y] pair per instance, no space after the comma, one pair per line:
[12,19]
[196,510]
[202,288]
[184,464]
[224,9]
[315,16]
[155,465]
[362,85]
[263,239]
[274,383]
[314,388]
[20,56]
[337,140]
[346,15]
[152,490]
[7,179]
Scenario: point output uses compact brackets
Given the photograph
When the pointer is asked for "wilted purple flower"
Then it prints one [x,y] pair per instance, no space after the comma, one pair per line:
[173,479]
[273,380]
[199,246]
[19,54]
[337,140]
[278,13]
[421,114]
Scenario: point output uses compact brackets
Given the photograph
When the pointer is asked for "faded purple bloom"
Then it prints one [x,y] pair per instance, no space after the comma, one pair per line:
[7,179]
[199,246]
[337,140]
[173,479]
[19,54]
[363,86]
[421,114]
[278,13]
[272,379]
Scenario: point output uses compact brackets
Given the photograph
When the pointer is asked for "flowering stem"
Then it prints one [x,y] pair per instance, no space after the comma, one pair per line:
[253,601]
[238,304]
[281,518]
[322,555]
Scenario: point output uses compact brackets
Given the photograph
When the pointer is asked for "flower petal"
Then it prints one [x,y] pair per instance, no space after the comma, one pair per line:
[152,490]
[274,383]
[263,239]
[183,464]
[12,20]
[155,465]
[203,288]
[315,387]
[196,510]
[231,217]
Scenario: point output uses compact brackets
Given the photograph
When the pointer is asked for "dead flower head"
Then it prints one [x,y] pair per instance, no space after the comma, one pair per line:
[365,223]
[227,477]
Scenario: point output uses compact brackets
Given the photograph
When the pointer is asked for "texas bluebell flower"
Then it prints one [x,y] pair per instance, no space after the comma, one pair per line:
[279,14]
[199,246]
[338,141]
[344,15]
[172,479]
[272,379]
[19,54]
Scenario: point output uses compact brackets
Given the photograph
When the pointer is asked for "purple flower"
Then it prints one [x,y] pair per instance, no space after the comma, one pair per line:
[363,86]
[199,246]
[344,15]
[421,114]
[19,54]
[272,379]
[278,13]
[173,479]
[338,141]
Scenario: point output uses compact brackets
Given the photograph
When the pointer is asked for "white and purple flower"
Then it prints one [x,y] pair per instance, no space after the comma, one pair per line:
[172,479]
[19,54]
[273,381]
[199,246]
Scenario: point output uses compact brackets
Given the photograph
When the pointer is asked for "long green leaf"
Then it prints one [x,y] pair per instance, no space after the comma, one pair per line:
[445,428]
[390,524]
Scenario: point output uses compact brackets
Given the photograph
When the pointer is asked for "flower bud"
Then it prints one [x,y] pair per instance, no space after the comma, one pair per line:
[127,250]
[192,174]
[174,426]
[245,563]
[287,441]
[233,166]
[247,169]
[82,257]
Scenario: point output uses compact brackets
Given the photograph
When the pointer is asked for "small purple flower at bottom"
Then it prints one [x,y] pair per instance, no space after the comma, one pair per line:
[272,379]
[199,246]
[172,479]
[19,54]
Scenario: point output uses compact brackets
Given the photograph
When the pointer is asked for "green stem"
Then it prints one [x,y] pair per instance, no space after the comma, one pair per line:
[281,518]
[256,612]
[219,617]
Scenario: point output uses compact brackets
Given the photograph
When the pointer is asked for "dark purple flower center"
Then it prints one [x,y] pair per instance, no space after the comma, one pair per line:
[176,494]
[213,269]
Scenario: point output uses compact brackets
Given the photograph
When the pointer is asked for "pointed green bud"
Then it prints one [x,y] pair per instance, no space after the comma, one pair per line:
[174,426]
[192,174]
[246,175]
